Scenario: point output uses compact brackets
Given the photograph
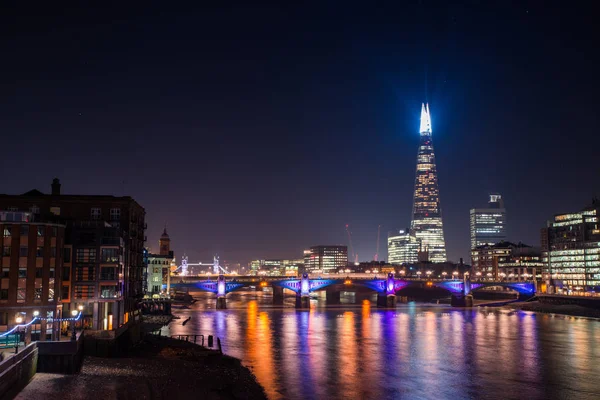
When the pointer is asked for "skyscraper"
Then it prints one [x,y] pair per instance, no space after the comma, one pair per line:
[427,215]
[488,225]
[403,247]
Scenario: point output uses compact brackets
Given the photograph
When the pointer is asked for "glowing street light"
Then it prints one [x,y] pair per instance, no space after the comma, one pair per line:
[444,274]
[489,275]
[455,274]
[428,274]
[419,274]
[402,272]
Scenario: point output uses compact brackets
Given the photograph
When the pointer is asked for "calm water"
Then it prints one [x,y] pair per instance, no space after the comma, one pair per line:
[416,351]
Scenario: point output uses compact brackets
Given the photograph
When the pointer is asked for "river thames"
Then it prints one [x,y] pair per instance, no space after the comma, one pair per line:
[418,350]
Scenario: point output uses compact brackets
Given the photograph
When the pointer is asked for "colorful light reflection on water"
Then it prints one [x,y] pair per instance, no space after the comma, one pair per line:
[415,351]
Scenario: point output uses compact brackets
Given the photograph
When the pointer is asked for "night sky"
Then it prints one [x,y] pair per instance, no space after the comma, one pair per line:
[257,131]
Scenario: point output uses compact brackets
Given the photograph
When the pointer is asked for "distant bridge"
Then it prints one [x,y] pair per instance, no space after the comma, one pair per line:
[386,288]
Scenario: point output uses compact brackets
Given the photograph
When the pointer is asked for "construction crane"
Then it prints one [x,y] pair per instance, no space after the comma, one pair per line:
[376,257]
[351,254]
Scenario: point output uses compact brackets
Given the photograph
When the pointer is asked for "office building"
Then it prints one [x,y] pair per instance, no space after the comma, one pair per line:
[427,213]
[494,260]
[488,225]
[31,273]
[572,250]
[325,259]
[403,247]
[103,267]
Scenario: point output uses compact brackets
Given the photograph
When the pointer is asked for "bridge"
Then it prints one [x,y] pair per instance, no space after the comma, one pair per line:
[386,288]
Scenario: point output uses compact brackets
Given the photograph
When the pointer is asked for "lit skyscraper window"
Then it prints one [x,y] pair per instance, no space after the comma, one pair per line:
[427,215]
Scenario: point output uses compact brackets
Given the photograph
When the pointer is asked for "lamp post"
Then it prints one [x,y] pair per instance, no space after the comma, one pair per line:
[73,314]
[428,274]
[402,272]
[478,274]
[418,274]
[455,274]
[502,275]
[36,314]
[18,320]
[444,275]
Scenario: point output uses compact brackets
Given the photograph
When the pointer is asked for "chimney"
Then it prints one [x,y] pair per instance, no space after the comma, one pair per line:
[55,187]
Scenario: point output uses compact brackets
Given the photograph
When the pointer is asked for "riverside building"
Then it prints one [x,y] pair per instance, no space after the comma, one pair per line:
[325,259]
[572,250]
[102,265]
[427,214]
[403,247]
[31,273]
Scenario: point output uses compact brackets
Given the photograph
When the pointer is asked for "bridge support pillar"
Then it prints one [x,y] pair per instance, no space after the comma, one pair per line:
[302,302]
[525,296]
[386,300]
[333,296]
[221,303]
[460,300]
[277,295]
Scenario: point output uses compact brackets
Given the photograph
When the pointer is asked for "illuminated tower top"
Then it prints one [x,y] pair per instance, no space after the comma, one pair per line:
[425,120]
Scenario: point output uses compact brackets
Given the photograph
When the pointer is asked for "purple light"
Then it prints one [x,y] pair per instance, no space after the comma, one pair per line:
[221,286]
[304,285]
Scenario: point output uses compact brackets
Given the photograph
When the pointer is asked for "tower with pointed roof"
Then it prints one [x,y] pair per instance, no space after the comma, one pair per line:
[164,243]
[427,213]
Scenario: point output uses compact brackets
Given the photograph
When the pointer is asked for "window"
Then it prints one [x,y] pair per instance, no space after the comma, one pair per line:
[85,273]
[24,230]
[108,273]
[65,293]
[55,210]
[109,292]
[66,274]
[5,251]
[23,251]
[37,294]
[109,255]
[54,231]
[51,292]
[7,230]
[67,255]
[40,251]
[84,292]
[52,251]
[3,294]
[51,273]
[41,231]
[34,209]
[38,272]
[22,273]
[86,255]
[95,213]
[5,272]
[20,295]
[115,214]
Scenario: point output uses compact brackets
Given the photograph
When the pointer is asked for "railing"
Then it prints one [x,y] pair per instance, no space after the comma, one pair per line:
[196,339]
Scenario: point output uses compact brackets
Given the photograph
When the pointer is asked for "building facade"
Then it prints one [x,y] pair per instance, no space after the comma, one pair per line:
[325,259]
[159,266]
[498,261]
[403,247]
[31,273]
[488,225]
[572,250]
[427,213]
[103,267]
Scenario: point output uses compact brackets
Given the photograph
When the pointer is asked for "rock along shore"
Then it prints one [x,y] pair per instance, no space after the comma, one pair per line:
[159,368]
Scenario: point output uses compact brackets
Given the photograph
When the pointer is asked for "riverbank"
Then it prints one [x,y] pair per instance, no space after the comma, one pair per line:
[565,309]
[159,368]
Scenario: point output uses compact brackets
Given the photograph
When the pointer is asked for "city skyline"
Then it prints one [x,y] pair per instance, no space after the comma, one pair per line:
[263,145]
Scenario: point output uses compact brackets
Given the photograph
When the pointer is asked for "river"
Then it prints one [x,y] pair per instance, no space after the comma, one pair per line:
[418,350]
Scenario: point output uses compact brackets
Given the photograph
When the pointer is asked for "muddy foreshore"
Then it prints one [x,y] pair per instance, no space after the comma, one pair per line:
[564,309]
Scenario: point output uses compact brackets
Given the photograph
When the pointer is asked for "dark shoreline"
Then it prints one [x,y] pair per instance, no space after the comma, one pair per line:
[563,309]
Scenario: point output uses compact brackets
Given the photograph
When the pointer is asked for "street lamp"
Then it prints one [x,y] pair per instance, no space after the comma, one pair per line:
[419,274]
[402,272]
[19,321]
[444,275]
[73,314]
[36,314]
[503,275]
[428,274]
[455,274]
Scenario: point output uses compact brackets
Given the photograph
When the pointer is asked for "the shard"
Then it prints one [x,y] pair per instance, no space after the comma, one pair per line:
[427,214]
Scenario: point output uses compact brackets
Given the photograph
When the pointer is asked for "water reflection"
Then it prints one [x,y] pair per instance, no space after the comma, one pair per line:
[415,351]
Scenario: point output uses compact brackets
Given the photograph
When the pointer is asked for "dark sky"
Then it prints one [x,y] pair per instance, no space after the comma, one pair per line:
[257,131]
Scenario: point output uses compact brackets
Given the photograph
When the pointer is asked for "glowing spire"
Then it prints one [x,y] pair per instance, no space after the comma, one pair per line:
[425,120]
